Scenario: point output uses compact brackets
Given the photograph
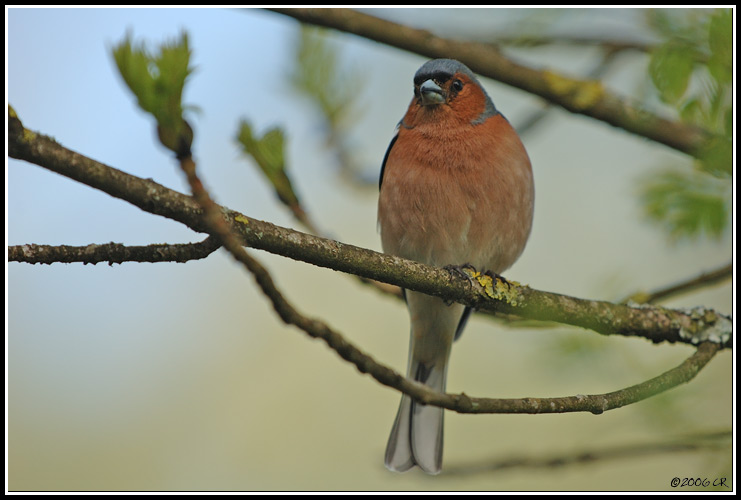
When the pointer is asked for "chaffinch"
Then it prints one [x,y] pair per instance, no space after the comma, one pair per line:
[456,189]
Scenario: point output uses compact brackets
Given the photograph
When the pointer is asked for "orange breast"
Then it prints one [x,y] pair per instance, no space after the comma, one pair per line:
[455,195]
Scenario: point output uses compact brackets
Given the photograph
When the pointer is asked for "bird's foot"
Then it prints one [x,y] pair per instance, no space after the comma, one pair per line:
[466,271]
[494,277]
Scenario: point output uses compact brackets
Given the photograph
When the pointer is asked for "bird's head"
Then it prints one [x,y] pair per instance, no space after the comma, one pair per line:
[447,89]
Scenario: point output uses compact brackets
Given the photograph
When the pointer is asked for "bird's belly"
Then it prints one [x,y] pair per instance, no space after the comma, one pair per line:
[437,221]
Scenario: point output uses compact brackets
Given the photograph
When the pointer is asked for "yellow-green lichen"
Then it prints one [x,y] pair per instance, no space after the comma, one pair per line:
[639,298]
[471,272]
[497,289]
[241,218]
[28,136]
[583,94]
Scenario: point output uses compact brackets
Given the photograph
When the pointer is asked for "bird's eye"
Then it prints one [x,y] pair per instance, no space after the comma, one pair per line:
[457,85]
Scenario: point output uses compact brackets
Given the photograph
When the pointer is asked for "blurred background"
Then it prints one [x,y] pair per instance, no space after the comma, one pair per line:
[181,377]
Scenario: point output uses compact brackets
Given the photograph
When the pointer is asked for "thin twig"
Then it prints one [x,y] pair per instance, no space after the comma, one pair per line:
[705,279]
[113,253]
[462,403]
[632,451]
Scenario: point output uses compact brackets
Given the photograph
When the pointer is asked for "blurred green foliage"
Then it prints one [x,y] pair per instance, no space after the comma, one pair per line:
[317,74]
[268,153]
[333,87]
[688,202]
[692,71]
[157,80]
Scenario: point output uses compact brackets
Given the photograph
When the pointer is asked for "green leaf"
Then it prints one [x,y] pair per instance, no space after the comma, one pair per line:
[692,71]
[691,111]
[268,152]
[134,66]
[728,125]
[717,157]
[670,68]
[158,81]
[720,40]
[687,204]
[271,146]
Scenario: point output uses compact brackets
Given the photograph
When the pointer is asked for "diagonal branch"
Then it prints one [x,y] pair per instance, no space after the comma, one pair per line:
[526,40]
[585,97]
[596,404]
[654,323]
[113,253]
[531,121]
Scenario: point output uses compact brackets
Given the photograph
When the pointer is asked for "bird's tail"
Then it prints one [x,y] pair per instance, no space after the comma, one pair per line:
[417,435]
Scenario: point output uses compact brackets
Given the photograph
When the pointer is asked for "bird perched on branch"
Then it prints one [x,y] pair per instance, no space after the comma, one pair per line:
[456,189]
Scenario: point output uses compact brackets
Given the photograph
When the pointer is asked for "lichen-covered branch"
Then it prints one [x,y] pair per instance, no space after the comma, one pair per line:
[113,253]
[596,404]
[654,323]
[232,229]
[531,40]
[589,98]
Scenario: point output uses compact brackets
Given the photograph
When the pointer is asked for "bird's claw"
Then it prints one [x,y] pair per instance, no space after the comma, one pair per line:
[466,271]
[494,276]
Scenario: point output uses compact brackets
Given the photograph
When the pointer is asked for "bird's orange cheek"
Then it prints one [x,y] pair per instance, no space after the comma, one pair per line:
[468,107]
